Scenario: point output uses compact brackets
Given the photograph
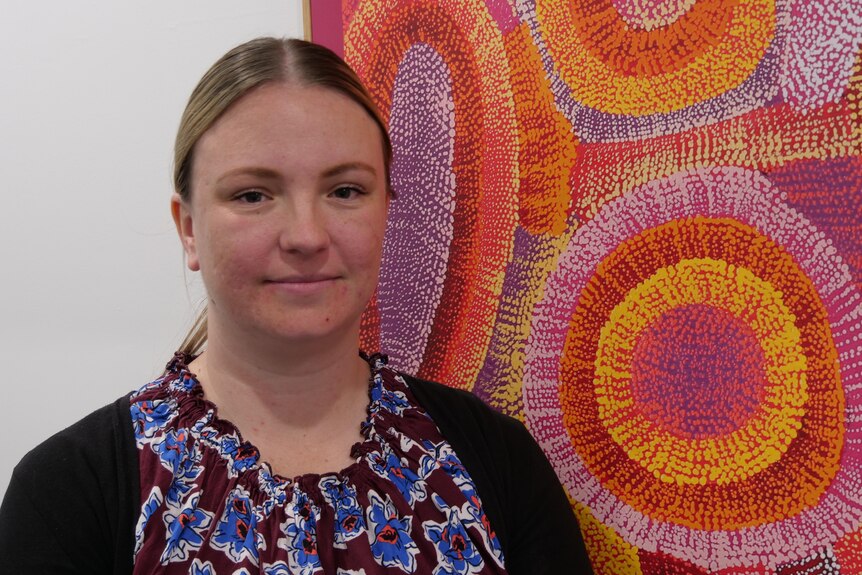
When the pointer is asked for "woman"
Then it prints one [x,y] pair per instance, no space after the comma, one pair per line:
[278,448]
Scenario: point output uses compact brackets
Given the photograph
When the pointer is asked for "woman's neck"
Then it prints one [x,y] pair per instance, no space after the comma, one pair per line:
[301,406]
[289,386]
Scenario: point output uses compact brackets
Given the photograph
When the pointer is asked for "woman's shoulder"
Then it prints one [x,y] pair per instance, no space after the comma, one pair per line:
[90,446]
[88,456]
[456,408]
[89,436]
[520,491]
[71,499]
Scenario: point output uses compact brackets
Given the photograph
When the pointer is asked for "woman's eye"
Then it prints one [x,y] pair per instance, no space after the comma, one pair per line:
[346,192]
[251,197]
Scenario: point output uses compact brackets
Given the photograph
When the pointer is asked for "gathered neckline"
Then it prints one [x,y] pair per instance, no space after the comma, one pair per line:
[187,390]
[208,498]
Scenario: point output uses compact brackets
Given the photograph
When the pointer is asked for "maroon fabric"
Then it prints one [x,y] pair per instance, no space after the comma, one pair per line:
[209,505]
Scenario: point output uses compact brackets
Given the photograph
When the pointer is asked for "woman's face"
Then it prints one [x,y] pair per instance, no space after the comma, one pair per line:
[287,213]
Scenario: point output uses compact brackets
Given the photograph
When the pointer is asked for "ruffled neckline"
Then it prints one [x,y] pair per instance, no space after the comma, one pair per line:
[202,418]
[208,499]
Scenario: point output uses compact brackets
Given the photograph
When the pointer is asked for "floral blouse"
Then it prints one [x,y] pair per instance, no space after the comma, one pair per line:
[210,506]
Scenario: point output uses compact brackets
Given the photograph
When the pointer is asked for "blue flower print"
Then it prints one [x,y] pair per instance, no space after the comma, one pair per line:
[341,571]
[153,502]
[301,546]
[473,507]
[205,432]
[185,527]
[155,384]
[389,535]
[394,402]
[176,454]
[246,457]
[387,465]
[172,449]
[448,461]
[150,417]
[199,568]
[183,382]
[349,519]
[456,554]
[300,529]
[441,455]
[229,445]
[236,532]
[243,456]
[273,487]
[304,509]
[277,568]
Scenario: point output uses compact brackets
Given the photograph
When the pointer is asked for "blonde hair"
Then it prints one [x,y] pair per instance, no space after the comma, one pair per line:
[249,65]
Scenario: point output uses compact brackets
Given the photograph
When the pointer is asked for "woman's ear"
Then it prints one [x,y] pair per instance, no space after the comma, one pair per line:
[185,229]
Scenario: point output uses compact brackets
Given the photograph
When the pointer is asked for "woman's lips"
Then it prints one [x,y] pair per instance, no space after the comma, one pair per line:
[303,284]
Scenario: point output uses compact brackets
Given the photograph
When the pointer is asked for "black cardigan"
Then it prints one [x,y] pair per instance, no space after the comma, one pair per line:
[73,501]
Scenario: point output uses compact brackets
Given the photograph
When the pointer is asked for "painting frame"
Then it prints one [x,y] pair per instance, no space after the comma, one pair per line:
[322,23]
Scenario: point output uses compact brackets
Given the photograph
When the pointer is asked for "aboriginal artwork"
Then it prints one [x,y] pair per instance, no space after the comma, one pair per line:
[637,226]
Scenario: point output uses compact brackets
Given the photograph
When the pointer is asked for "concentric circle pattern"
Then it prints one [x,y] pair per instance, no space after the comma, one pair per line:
[640,69]
[757,453]
[721,458]
[637,224]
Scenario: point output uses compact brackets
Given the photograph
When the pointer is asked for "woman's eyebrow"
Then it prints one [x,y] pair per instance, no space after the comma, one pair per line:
[259,172]
[347,167]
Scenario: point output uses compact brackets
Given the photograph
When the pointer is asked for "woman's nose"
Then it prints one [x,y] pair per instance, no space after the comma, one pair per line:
[303,229]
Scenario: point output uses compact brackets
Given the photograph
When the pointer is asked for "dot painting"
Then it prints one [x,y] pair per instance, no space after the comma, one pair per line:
[636,225]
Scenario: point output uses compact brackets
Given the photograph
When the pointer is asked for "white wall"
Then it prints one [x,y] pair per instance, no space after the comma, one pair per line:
[93,290]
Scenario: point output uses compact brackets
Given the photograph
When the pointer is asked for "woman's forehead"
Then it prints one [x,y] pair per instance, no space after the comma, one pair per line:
[280,124]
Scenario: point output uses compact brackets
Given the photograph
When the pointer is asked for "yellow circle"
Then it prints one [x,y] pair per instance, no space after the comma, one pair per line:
[715,69]
[737,455]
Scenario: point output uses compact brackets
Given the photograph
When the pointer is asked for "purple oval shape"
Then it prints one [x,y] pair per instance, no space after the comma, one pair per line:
[420,227]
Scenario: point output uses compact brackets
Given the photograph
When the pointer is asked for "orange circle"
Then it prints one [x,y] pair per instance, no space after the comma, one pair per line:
[732,456]
[785,487]
[614,68]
